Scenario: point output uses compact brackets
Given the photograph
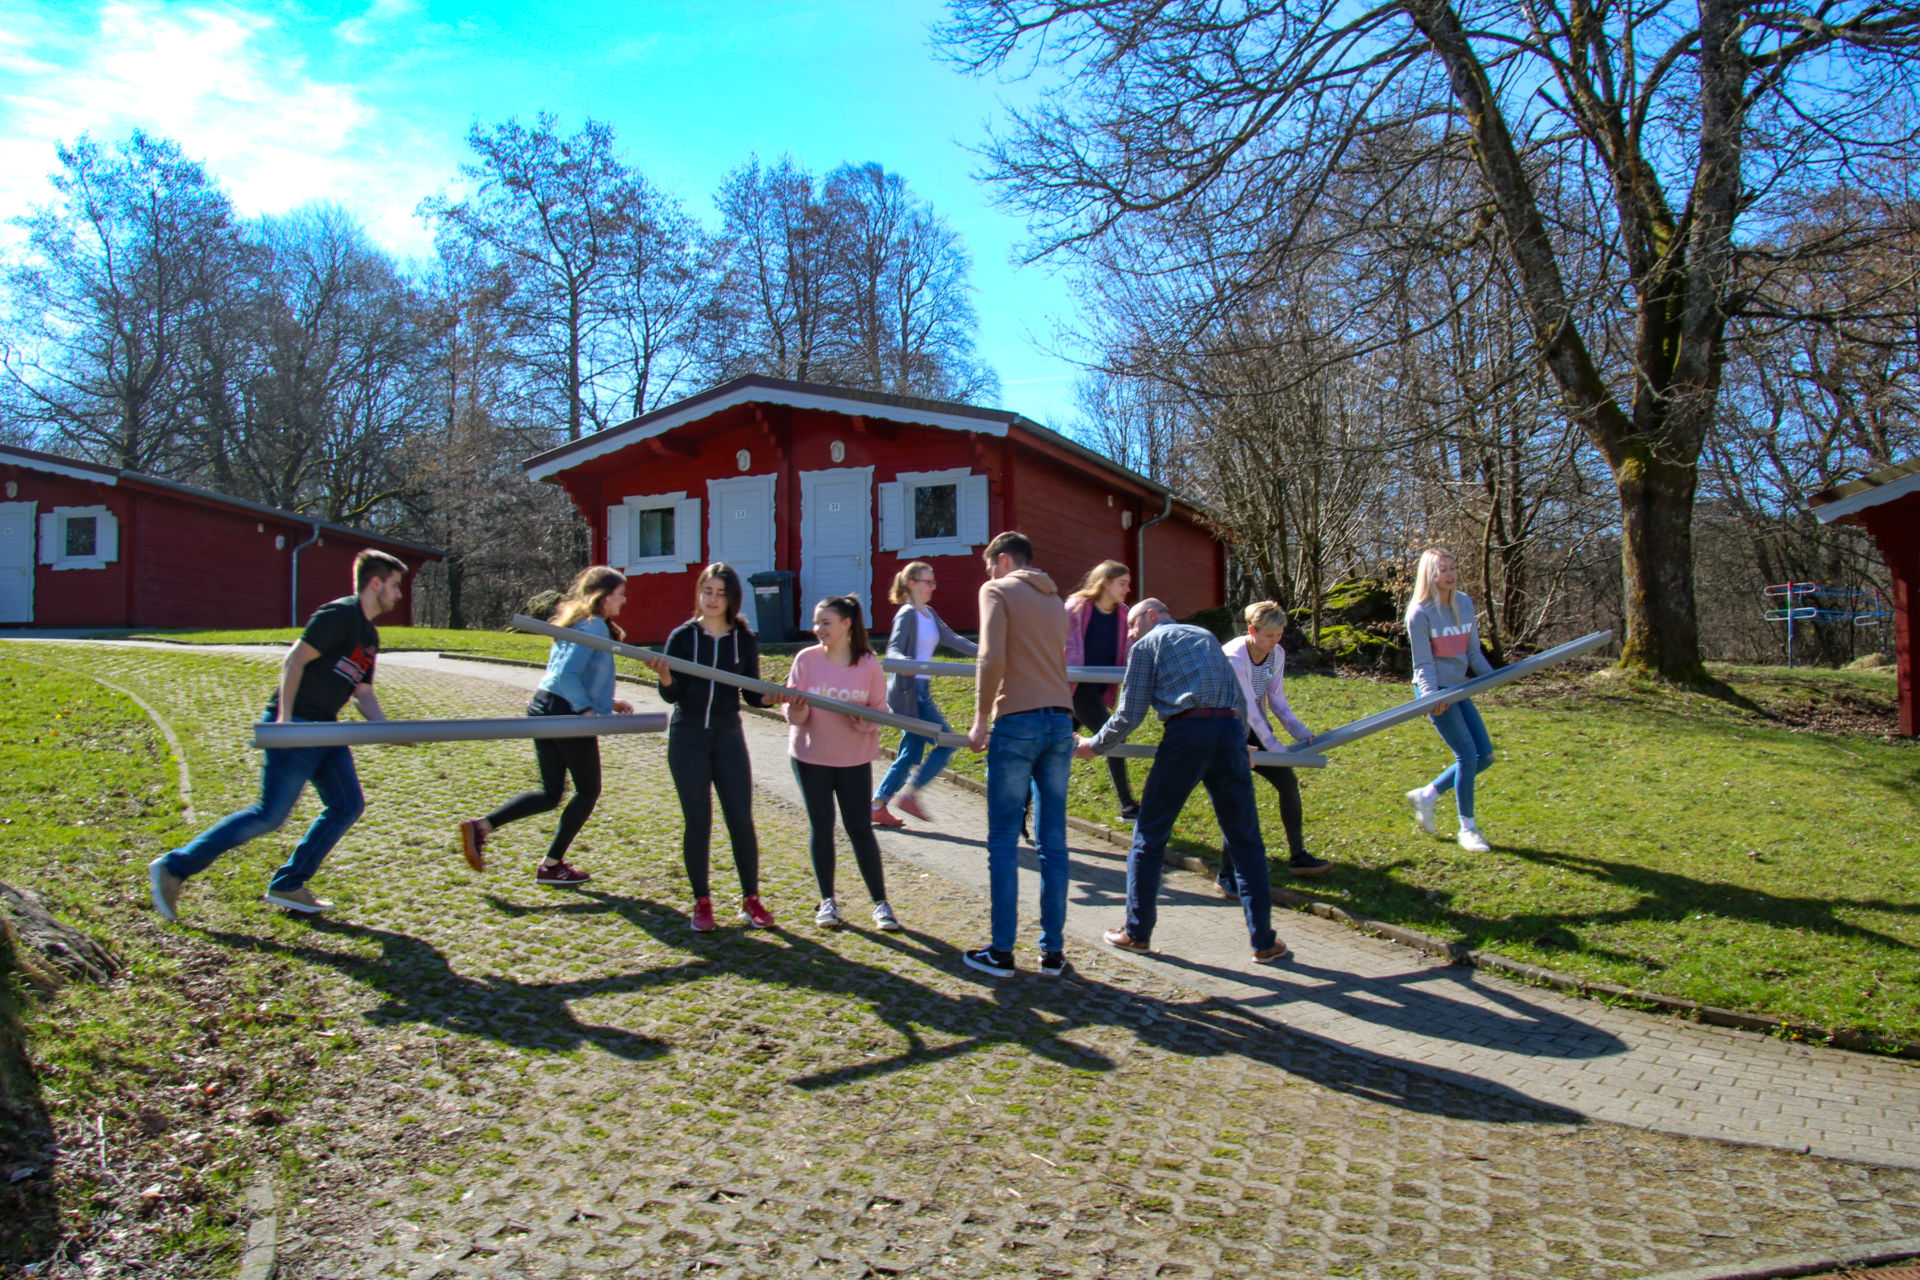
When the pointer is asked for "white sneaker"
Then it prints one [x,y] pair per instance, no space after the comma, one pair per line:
[828,916]
[166,889]
[1473,842]
[301,900]
[1423,801]
[884,919]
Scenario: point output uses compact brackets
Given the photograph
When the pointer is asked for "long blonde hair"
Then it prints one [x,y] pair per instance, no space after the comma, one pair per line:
[898,592]
[1424,592]
[587,595]
[1098,577]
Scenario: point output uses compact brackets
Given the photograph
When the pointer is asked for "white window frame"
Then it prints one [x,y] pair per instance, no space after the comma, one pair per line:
[686,527]
[909,481]
[106,538]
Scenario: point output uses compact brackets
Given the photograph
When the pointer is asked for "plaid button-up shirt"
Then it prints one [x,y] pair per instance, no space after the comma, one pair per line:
[1173,668]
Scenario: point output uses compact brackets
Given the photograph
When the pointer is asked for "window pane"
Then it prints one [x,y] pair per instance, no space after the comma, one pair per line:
[82,535]
[656,533]
[936,512]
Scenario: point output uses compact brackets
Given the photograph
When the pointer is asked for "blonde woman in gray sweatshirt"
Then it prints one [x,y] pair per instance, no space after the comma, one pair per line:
[1445,637]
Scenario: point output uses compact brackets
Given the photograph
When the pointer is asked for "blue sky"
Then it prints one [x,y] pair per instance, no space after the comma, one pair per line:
[369,104]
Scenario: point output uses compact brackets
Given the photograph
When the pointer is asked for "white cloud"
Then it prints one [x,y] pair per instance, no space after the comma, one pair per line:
[231,88]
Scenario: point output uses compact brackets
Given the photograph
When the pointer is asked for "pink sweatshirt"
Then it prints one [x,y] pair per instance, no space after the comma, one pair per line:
[827,737]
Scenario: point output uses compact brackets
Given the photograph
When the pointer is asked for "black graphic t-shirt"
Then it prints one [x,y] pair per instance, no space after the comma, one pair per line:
[347,643]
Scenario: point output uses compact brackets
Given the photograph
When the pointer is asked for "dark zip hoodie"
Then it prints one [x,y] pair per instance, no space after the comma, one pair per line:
[698,700]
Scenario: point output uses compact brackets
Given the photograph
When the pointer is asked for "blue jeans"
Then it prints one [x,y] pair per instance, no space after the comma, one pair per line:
[286,772]
[912,746]
[1028,749]
[1461,729]
[1209,751]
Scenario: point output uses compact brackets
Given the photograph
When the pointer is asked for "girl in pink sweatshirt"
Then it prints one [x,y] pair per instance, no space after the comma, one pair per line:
[833,753]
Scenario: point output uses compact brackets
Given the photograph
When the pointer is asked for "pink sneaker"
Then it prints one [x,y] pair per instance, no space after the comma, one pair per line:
[751,908]
[910,805]
[703,915]
[884,817]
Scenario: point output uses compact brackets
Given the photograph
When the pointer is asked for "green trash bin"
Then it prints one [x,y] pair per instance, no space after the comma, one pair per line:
[773,606]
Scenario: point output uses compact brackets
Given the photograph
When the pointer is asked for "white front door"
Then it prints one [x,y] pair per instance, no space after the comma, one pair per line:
[16,561]
[836,537]
[740,524]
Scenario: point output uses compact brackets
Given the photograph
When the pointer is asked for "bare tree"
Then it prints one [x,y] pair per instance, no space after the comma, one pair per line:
[556,214]
[1684,130]
[98,345]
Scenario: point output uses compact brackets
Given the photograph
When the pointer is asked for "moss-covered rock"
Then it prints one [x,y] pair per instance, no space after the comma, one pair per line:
[1359,602]
[1376,648]
[543,605]
[1219,619]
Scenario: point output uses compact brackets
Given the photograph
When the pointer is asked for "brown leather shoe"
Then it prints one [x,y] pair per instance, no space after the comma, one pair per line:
[1119,938]
[1273,954]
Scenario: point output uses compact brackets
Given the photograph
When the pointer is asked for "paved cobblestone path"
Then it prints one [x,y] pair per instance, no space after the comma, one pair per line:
[529,1083]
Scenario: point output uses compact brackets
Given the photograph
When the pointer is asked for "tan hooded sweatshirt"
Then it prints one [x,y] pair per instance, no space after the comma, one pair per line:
[1023,646]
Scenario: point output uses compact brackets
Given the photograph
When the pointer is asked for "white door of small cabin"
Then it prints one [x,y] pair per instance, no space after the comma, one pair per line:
[16,561]
[740,525]
[836,538]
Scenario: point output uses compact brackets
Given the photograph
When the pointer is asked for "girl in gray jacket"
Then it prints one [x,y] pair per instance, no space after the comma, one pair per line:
[917,632]
[1445,637]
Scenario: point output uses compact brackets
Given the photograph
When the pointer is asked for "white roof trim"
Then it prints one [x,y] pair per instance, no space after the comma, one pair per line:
[1873,497]
[616,439]
[55,468]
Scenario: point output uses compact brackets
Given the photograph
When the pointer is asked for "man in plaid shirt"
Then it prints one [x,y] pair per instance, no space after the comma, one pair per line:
[1180,672]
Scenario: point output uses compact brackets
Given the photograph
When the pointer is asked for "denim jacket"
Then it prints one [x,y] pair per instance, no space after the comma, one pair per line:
[582,675]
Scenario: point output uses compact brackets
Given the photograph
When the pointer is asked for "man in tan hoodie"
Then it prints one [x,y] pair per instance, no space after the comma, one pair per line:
[1023,694]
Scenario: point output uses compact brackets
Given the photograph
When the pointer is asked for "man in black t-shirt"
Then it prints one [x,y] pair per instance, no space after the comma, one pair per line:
[331,662]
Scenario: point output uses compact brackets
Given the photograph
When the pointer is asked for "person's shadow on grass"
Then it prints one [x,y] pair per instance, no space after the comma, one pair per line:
[420,986]
[1030,1011]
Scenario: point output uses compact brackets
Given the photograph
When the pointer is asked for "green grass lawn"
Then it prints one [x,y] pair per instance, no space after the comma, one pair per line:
[1711,849]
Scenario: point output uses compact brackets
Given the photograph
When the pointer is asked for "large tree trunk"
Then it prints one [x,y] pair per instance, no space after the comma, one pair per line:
[1656,564]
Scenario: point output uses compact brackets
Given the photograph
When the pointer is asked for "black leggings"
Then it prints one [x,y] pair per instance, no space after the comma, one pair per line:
[706,763]
[852,785]
[1288,786]
[1089,714]
[558,757]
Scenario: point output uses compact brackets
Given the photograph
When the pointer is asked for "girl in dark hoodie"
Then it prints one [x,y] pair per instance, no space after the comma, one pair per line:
[706,748]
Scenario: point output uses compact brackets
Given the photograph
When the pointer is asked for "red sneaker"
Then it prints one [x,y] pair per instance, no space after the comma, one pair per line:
[558,875]
[885,817]
[703,915]
[910,805]
[472,841]
[751,908]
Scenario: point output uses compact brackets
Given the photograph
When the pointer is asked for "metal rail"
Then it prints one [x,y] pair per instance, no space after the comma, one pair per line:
[1285,759]
[1432,702]
[912,667]
[366,733]
[879,715]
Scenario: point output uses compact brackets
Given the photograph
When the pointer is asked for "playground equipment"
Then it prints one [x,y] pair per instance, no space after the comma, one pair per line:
[1795,611]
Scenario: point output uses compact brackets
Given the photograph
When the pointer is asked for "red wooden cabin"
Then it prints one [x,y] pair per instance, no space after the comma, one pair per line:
[1887,505]
[844,487]
[84,545]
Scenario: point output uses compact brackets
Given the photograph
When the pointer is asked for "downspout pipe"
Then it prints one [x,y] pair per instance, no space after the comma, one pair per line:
[293,598]
[1140,549]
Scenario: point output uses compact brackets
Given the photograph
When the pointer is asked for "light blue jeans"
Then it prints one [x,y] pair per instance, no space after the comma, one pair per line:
[283,776]
[1029,749]
[912,747]
[1461,729]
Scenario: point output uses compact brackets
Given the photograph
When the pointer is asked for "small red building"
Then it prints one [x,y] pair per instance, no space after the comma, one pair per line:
[84,545]
[843,487]
[1887,505]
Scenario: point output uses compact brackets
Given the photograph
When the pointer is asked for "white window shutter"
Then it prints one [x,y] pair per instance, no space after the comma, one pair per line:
[893,516]
[106,544]
[973,511]
[686,530]
[619,536]
[53,542]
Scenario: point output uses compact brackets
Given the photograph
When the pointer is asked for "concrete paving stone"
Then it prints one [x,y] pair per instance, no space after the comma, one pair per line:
[793,1102]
